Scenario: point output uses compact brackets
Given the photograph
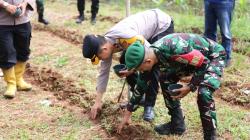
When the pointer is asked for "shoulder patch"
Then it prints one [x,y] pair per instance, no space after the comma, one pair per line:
[126,42]
[194,58]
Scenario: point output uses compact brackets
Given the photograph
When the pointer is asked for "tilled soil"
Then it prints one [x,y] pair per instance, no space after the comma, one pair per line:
[65,89]
[72,36]
[62,88]
[237,95]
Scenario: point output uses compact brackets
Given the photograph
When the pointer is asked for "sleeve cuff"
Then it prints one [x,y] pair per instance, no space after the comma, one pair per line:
[192,87]
[131,107]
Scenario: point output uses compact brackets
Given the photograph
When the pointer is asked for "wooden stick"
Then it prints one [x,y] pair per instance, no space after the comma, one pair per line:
[121,91]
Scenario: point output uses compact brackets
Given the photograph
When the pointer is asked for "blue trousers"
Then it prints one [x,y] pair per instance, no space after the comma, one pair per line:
[219,13]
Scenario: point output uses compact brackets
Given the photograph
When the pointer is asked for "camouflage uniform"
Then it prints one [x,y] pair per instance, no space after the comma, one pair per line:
[174,53]
[40,11]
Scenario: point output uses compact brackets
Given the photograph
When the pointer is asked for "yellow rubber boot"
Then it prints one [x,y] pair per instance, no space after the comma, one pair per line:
[10,78]
[19,71]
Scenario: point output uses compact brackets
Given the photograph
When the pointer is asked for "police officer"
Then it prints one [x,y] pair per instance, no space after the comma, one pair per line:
[15,35]
[180,55]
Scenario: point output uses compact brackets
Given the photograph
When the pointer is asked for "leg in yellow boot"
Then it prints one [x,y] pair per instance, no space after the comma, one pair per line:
[10,78]
[19,71]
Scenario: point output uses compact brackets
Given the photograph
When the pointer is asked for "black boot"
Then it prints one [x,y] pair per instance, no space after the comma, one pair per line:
[175,126]
[93,19]
[209,134]
[148,113]
[142,101]
[42,20]
[80,19]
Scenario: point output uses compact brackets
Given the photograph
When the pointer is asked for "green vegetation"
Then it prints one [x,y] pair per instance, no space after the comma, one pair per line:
[66,59]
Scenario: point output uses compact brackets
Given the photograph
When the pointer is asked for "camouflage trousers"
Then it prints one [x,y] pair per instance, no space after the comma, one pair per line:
[40,6]
[208,81]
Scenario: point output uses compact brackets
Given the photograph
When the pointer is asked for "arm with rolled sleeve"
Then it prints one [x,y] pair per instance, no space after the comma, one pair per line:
[103,77]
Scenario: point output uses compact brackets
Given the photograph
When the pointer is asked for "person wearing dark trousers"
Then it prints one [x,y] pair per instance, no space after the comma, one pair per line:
[219,11]
[15,35]
[40,11]
[81,8]
[147,27]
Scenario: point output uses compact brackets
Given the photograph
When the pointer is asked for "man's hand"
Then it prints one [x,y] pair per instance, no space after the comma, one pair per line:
[125,121]
[183,92]
[97,107]
[11,9]
[125,73]
[23,6]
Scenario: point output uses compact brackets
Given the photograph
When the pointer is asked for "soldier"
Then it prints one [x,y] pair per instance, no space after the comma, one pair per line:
[180,55]
[40,11]
[81,7]
[15,35]
[147,26]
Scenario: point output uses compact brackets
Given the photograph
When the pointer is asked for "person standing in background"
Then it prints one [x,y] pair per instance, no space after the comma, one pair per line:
[15,35]
[40,11]
[219,11]
[81,8]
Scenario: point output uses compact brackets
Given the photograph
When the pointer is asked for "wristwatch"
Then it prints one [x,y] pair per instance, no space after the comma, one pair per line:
[5,4]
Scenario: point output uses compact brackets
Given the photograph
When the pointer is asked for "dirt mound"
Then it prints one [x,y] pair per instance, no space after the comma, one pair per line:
[72,36]
[235,93]
[196,30]
[110,119]
[63,89]
[135,131]
[66,89]
[109,18]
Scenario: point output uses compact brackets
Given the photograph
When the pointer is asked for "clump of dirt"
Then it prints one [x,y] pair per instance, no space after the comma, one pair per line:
[72,36]
[135,131]
[111,118]
[196,30]
[109,18]
[233,92]
[63,89]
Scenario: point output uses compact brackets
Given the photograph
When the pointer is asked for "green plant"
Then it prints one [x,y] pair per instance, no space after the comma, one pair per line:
[62,61]
[42,59]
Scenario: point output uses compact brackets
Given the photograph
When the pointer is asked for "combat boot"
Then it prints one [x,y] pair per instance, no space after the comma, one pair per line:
[42,20]
[148,113]
[19,71]
[176,126]
[80,19]
[9,77]
[93,19]
[209,134]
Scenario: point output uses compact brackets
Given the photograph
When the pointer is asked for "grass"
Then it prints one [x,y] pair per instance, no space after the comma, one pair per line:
[231,123]
[61,61]
[65,125]
[66,58]
[185,20]
[42,59]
